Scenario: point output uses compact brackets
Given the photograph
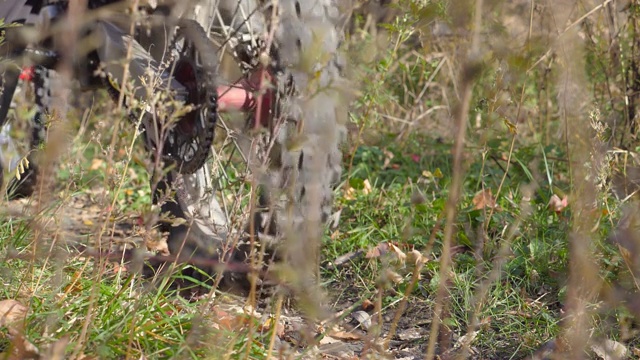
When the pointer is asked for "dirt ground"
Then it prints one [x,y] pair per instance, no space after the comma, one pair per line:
[348,333]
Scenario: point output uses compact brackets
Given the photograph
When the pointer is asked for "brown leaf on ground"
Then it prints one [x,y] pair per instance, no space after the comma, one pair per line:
[74,286]
[393,276]
[350,194]
[57,350]
[367,305]
[344,335]
[400,255]
[269,324]
[367,189]
[378,250]
[229,319]
[387,248]
[610,349]
[388,156]
[417,258]
[484,199]
[155,242]
[362,319]
[12,316]
[96,164]
[556,204]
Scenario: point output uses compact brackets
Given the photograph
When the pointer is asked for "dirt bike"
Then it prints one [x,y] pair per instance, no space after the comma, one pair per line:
[291,87]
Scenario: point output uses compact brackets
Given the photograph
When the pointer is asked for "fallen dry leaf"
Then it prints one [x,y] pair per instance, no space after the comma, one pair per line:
[387,159]
[57,349]
[384,248]
[379,250]
[328,340]
[417,257]
[350,194]
[234,317]
[367,305]
[513,129]
[118,267]
[269,324]
[362,318]
[344,335]
[400,255]
[393,276]
[484,199]
[367,189]
[12,314]
[610,349]
[226,321]
[556,204]
[74,286]
[154,241]
[96,164]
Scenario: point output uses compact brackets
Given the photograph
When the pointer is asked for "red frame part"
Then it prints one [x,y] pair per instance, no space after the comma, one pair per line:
[252,95]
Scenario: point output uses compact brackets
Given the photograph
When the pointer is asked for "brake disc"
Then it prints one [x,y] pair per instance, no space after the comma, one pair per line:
[188,143]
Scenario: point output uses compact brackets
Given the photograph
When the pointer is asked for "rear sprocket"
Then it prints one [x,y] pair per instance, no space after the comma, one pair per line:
[188,143]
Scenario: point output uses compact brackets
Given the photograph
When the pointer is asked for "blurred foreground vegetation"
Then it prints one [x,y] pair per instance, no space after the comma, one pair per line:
[540,254]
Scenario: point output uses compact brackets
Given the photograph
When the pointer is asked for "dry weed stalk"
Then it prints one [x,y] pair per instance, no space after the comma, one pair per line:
[584,282]
[470,70]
